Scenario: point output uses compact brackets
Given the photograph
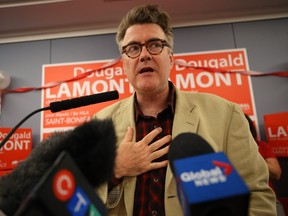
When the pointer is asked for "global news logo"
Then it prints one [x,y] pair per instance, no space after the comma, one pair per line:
[205,177]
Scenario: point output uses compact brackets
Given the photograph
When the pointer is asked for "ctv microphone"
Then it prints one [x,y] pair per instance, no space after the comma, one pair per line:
[207,183]
[91,145]
[67,104]
[62,191]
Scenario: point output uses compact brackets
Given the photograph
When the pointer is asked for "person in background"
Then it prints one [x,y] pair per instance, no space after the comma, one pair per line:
[272,162]
[147,121]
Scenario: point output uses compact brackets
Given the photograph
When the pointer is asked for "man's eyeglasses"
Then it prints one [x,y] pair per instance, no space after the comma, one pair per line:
[154,47]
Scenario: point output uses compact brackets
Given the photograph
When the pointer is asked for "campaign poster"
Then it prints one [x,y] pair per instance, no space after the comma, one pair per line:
[231,85]
[276,126]
[16,149]
[98,81]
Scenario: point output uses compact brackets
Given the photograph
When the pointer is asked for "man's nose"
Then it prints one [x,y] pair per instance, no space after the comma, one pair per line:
[145,55]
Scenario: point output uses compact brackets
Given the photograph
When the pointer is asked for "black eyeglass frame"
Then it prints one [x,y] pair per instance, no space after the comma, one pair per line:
[163,42]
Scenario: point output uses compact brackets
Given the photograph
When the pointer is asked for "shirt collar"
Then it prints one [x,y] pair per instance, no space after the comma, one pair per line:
[170,101]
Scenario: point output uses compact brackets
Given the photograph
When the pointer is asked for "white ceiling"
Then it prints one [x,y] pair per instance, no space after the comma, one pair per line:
[22,20]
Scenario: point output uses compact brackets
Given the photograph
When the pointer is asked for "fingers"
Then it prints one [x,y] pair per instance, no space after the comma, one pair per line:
[150,136]
[133,158]
[158,165]
[159,143]
[159,153]
[155,147]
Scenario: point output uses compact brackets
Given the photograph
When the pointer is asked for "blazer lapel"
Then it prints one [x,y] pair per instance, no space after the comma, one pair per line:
[185,120]
[127,117]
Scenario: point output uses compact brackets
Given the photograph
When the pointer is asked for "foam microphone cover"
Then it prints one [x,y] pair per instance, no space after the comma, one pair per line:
[91,145]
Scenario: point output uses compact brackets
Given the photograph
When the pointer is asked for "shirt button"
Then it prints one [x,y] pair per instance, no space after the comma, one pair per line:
[155,179]
[154,212]
[155,126]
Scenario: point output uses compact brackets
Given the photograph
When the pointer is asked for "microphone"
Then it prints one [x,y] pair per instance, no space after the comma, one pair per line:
[83,101]
[207,183]
[91,145]
[62,191]
[67,104]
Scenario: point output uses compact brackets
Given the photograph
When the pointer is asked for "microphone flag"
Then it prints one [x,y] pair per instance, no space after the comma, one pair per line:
[63,191]
[209,185]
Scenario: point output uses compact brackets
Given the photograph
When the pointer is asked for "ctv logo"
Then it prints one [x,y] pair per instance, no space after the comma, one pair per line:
[65,190]
[206,177]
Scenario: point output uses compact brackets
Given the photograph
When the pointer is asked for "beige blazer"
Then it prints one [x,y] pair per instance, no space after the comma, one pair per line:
[225,128]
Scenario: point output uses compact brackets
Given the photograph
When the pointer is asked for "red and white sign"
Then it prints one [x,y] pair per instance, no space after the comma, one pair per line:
[276,126]
[232,86]
[16,149]
[108,79]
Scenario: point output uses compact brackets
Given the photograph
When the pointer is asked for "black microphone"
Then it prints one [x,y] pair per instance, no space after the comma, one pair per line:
[83,101]
[207,183]
[187,145]
[67,104]
[91,145]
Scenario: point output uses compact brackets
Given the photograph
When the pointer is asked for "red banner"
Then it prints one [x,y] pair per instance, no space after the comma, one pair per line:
[16,149]
[276,126]
[235,87]
[232,86]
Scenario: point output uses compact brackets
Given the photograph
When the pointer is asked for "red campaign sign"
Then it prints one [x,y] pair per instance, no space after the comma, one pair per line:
[16,149]
[276,126]
[103,80]
[232,86]
[235,87]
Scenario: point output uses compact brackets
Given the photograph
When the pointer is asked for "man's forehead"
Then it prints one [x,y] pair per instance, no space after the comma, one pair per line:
[137,34]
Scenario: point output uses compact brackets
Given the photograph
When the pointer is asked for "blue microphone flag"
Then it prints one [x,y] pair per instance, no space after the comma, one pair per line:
[207,178]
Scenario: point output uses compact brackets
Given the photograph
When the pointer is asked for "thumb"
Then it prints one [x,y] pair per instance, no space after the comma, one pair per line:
[129,135]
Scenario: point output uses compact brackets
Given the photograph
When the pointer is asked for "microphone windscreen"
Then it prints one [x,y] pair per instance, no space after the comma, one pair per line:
[92,146]
[187,145]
